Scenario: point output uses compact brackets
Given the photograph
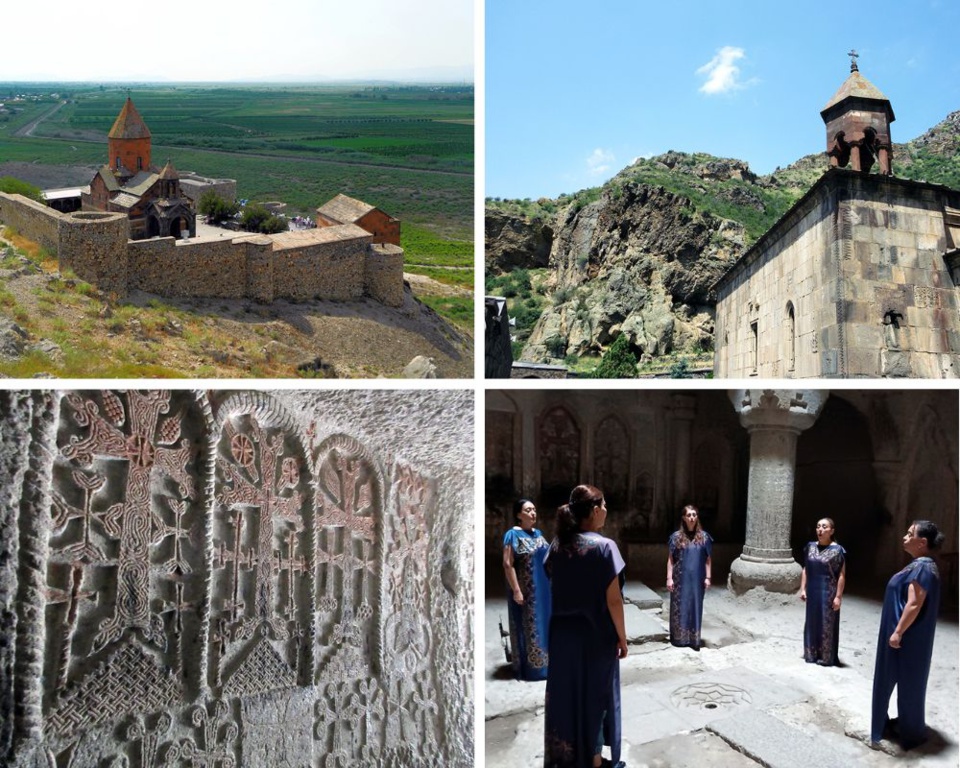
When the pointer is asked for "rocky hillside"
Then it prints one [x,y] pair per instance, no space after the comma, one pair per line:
[639,254]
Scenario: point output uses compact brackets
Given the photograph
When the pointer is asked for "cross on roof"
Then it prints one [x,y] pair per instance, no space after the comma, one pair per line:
[853,60]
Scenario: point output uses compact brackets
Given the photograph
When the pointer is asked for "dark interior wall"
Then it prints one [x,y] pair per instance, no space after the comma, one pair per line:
[835,479]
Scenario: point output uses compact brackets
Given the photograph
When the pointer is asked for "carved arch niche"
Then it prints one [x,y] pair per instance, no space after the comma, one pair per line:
[559,456]
[262,558]
[126,570]
[611,472]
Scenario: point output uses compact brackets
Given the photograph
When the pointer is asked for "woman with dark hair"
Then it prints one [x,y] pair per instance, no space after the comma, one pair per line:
[688,576]
[905,645]
[822,581]
[528,602]
[587,637]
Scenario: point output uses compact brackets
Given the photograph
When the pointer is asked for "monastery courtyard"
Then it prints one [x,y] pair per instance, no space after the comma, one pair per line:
[746,699]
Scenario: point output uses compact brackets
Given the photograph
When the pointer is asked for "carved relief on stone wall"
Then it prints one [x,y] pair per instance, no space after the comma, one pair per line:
[559,452]
[408,641]
[499,443]
[349,508]
[219,590]
[262,552]
[612,461]
[125,562]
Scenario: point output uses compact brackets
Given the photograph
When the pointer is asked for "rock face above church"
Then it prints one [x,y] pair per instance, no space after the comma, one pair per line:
[638,260]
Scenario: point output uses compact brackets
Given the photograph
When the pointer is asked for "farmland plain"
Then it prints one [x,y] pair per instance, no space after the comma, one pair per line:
[409,150]
[405,149]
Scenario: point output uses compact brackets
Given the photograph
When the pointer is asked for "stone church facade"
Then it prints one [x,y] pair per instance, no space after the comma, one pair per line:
[858,278]
[236,578]
[761,465]
[150,197]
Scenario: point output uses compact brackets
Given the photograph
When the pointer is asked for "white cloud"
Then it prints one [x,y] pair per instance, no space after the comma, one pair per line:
[722,72]
[599,161]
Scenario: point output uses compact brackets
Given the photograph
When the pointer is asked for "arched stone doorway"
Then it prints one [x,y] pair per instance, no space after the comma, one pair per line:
[835,478]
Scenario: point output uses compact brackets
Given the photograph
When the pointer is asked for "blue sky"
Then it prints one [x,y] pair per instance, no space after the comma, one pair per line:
[577,91]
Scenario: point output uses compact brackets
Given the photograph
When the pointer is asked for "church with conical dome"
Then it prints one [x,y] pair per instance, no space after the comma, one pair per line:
[129,183]
[859,279]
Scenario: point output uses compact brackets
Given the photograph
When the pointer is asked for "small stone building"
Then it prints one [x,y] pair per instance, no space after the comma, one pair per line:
[150,197]
[347,210]
[855,280]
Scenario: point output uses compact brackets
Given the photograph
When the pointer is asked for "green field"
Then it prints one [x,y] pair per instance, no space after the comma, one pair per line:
[405,149]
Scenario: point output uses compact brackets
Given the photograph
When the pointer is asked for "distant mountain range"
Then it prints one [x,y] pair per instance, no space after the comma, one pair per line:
[639,254]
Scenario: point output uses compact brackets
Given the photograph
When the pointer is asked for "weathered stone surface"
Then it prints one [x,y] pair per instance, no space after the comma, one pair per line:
[512,242]
[637,262]
[13,339]
[420,368]
[237,578]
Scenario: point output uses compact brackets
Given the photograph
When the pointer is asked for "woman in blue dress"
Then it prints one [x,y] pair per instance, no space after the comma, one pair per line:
[528,602]
[688,576]
[905,643]
[822,581]
[587,638]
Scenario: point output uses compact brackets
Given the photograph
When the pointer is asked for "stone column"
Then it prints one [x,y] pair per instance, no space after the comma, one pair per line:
[774,418]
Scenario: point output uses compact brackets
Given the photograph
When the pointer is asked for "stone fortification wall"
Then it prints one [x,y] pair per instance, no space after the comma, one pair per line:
[384,274]
[95,247]
[31,219]
[321,262]
[338,262]
[206,268]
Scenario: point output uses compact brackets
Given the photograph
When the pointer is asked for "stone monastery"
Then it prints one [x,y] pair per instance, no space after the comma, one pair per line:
[132,235]
[860,277]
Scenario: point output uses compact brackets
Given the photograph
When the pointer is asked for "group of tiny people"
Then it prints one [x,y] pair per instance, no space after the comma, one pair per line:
[566,616]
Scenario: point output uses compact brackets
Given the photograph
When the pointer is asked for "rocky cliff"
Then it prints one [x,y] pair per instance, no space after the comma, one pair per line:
[639,255]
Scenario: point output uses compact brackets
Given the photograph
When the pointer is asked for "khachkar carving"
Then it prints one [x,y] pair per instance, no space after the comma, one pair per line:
[408,643]
[262,561]
[125,552]
[349,511]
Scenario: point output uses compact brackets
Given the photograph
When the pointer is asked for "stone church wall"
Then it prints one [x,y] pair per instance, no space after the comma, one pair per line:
[788,269]
[852,282]
[899,301]
[236,578]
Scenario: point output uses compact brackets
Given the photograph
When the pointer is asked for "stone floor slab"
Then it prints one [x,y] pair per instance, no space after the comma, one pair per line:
[775,744]
[642,626]
[641,595]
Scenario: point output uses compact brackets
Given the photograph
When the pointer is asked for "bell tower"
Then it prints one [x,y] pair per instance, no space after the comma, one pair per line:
[128,143]
[858,121]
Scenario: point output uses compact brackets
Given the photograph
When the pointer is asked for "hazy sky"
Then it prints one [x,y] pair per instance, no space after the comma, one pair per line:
[577,91]
[215,40]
